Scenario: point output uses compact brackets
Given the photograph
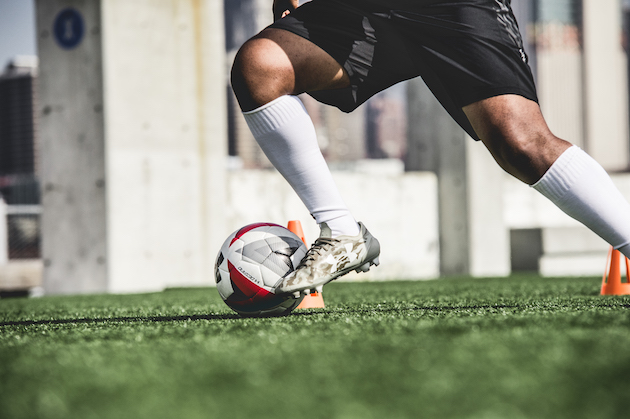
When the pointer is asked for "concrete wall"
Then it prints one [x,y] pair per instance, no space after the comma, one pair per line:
[569,248]
[399,209]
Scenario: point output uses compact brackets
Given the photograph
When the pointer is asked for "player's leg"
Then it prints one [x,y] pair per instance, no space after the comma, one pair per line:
[268,71]
[516,134]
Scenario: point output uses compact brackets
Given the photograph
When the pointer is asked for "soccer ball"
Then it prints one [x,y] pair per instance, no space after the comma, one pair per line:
[251,262]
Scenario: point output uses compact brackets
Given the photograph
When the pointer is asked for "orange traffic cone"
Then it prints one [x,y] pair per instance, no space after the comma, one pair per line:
[612,285]
[295,227]
[313,300]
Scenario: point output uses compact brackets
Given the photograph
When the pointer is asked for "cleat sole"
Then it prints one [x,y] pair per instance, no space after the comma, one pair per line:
[367,265]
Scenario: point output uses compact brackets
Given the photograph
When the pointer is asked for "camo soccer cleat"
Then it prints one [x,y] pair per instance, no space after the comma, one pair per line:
[330,258]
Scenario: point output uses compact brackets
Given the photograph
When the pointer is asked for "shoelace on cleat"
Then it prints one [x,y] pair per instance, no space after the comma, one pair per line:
[321,244]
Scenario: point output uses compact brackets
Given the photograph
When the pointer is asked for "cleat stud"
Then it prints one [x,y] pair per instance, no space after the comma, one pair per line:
[363,268]
[297,294]
[376,262]
[319,289]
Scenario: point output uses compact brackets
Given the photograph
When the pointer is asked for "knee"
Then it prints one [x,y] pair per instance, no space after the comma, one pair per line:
[247,58]
[526,154]
[258,76]
[242,75]
[514,147]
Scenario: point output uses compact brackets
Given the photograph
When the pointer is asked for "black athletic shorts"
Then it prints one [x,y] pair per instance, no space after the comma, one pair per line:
[465,50]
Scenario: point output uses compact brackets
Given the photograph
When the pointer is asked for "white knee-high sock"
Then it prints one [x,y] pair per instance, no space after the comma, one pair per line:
[579,186]
[286,134]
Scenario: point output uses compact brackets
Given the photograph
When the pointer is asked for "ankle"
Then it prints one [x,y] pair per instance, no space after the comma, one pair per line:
[341,226]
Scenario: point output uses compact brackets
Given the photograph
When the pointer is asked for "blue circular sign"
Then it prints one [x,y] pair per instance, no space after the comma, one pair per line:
[69,28]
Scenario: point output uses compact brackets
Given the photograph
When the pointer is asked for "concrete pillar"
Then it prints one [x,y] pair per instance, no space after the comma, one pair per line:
[473,237]
[560,87]
[133,136]
[489,236]
[72,146]
[605,84]
[422,137]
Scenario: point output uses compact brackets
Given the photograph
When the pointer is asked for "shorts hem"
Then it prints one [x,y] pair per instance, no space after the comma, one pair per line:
[496,91]
[294,30]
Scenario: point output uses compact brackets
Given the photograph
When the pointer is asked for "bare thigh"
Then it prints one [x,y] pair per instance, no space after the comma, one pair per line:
[276,63]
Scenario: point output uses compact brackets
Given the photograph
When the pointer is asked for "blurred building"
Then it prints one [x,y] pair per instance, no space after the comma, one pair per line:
[18,158]
[386,134]
[556,43]
[243,19]
[582,74]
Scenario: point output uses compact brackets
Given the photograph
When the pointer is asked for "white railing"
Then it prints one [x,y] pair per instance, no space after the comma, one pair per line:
[5,212]
[4,233]
[23,209]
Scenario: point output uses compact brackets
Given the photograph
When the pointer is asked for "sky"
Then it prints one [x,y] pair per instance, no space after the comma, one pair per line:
[17,29]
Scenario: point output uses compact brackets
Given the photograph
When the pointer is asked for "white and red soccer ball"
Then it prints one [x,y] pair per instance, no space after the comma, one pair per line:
[251,262]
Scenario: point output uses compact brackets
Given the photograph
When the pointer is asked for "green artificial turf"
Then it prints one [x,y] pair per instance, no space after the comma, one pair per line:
[518,347]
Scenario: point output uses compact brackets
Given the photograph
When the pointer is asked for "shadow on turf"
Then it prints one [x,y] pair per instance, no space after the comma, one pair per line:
[164,319]
[131,319]
[361,310]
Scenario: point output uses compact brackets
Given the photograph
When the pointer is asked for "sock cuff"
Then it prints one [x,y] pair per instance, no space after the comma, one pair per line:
[563,173]
[274,114]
